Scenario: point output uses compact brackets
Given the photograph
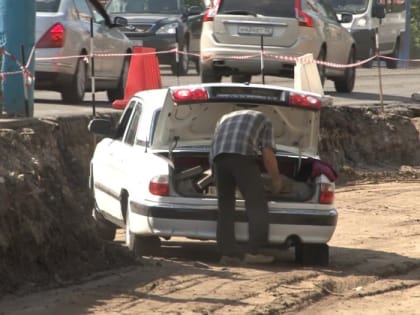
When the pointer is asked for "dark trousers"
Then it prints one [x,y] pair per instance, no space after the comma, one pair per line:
[231,171]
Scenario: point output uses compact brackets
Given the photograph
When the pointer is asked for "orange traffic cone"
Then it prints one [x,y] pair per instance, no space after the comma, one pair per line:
[143,74]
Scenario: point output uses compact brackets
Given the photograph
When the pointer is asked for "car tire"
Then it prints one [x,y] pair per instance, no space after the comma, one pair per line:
[181,67]
[393,64]
[74,93]
[209,75]
[148,245]
[105,229]
[345,84]
[118,92]
[312,254]
[241,78]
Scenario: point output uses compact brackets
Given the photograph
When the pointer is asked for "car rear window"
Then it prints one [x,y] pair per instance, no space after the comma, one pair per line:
[143,6]
[278,8]
[47,5]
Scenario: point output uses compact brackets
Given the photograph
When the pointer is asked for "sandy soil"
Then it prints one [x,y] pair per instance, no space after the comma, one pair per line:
[374,269]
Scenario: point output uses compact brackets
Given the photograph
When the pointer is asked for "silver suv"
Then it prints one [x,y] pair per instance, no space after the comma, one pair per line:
[235,32]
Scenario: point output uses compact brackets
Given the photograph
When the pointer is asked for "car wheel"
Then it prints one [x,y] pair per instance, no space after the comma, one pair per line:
[312,254]
[105,230]
[241,78]
[181,67]
[140,245]
[393,64]
[209,75]
[345,84]
[321,68]
[118,92]
[74,93]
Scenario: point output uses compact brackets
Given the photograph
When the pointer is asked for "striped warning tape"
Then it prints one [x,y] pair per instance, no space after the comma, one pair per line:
[291,59]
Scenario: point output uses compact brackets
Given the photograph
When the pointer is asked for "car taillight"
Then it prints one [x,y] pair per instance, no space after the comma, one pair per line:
[53,38]
[211,11]
[303,18]
[305,101]
[159,186]
[185,95]
[326,195]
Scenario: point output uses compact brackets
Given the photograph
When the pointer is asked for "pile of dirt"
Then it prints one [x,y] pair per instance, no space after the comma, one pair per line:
[46,230]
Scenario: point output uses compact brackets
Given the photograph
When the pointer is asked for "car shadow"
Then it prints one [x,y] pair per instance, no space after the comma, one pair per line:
[98,103]
[343,260]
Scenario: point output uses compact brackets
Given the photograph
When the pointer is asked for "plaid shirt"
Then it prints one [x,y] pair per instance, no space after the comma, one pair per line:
[243,132]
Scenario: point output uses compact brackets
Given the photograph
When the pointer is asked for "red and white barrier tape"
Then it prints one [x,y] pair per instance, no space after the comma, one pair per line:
[291,59]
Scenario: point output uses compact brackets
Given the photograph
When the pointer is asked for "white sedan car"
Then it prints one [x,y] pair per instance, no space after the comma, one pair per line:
[150,174]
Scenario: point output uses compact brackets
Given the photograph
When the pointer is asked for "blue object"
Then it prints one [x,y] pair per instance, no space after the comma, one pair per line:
[405,51]
[17,38]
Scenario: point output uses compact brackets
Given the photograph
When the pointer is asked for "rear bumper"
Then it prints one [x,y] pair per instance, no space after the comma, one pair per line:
[311,226]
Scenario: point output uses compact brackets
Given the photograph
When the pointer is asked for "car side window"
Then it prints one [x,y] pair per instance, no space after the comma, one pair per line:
[116,6]
[124,120]
[132,126]
[83,9]
[327,10]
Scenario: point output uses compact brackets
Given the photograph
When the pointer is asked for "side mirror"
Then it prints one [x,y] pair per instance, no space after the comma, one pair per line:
[120,21]
[379,11]
[194,10]
[346,18]
[100,126]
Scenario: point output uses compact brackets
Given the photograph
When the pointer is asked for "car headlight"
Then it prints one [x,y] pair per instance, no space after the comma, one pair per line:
[168,29]
[360,22]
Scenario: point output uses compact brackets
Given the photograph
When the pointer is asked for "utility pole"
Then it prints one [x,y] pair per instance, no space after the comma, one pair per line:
[405,53]
[17,38]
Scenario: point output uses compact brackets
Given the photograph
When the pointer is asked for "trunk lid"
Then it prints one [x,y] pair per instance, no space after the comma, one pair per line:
[249,22]
[189,115]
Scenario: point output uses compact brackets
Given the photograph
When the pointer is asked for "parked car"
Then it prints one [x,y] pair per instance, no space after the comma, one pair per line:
[368,15]
[63,39]
[150,174]
[164,25]
[236,31]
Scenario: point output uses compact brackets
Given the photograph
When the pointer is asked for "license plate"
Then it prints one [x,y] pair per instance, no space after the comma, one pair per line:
[255,30]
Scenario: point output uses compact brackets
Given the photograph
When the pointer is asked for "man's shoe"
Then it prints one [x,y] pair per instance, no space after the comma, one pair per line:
[258,259]
[230,261]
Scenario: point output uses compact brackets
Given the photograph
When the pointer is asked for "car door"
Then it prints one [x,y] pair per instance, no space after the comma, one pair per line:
[195,24]
[335,34]
[109,169]
[85,15]
[111,43]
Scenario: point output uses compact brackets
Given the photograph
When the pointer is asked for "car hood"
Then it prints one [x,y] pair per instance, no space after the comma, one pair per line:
[191,125]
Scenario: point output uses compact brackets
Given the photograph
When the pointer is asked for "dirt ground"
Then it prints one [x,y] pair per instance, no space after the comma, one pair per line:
[374,269]
[52,262]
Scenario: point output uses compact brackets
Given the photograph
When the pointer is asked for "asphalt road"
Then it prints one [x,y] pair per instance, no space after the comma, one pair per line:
[398,85]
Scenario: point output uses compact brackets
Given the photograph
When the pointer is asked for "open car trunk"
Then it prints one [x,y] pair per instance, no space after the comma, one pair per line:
[191,177]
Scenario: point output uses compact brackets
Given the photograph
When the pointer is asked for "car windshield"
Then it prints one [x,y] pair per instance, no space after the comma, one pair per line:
[351,6]
[47,5]
[278,8]
[144,6]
